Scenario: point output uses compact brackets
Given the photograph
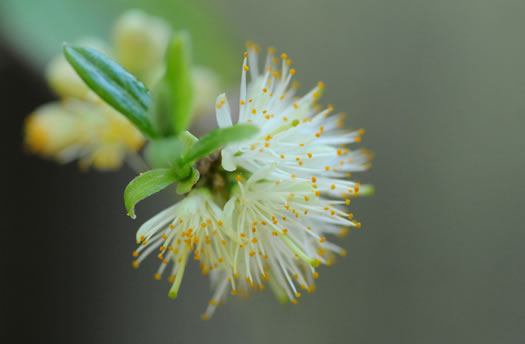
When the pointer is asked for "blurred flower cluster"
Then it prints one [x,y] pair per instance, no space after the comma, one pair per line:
[262,197]
[80,125]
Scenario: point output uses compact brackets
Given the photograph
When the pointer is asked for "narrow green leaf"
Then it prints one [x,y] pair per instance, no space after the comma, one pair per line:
[113,84]
[217,138]
[145,185]
[178,77]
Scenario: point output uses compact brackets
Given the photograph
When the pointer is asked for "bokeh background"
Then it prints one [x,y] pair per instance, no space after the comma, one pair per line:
[438,85]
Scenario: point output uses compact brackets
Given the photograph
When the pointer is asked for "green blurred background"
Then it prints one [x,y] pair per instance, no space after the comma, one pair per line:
[438,85]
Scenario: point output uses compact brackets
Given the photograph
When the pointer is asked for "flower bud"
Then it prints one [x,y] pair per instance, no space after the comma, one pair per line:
[51,129]
[140,42]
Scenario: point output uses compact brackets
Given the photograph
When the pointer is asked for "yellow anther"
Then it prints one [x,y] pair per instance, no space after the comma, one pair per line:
[246,68]
[135,264]
[292,71]
[316,274]
[284,56]
[323,239]
[238,178]
[157,276]
[135,254]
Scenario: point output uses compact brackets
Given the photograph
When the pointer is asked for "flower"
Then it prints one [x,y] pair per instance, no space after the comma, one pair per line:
[265,209]
[93,133]
[281,226]
[192,225]
[302,139]
[296,189]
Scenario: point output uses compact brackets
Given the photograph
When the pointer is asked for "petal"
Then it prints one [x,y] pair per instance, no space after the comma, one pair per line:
[228,160]
[223,112]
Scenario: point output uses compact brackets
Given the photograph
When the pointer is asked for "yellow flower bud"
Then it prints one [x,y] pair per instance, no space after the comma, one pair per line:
[140,42]
[51,129]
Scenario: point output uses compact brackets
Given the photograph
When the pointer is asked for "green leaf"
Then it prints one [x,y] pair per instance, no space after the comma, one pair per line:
[217,138]
[166,152]
[186,185]
[179,79]
[145,185]
[113,84]
[161,108]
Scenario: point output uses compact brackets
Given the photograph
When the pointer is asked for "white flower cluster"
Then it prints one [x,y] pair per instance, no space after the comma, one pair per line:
[286,190]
